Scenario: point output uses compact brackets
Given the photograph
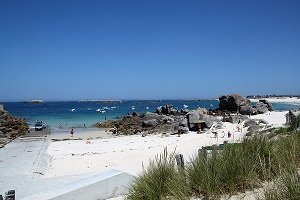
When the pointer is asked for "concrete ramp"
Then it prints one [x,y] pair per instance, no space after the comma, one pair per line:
[101,186]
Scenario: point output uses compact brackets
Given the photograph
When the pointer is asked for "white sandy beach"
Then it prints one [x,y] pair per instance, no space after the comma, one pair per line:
[289,100]
[131,153]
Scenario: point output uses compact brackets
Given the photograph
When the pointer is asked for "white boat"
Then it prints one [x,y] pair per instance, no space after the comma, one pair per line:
[185,106]
[103,111]
[89,109]
[98,110]
[113,107]
[147,108]
[132,108]
[72,110]
[211,105]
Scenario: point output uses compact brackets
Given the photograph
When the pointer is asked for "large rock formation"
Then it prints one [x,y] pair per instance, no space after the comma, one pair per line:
[263,106]
[148,122]
[233,102]
[268,104]
[237,103]
[198,120]
[248,110]
[11,127]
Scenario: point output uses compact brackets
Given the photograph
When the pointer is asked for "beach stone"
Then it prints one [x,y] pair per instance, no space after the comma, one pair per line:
[167,110]
[134,114]
[232,102]
[167,119]
[183,123]
[184,111]
[183,129]
[269,105]
[250,122]
[202,111]
[192,117]
[150,123]
[261,107]
[227,118]
[253,128]
[262,121]
[207,119]
[248,110]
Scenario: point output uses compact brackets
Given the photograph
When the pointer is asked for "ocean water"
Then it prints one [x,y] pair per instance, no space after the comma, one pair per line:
[64,115]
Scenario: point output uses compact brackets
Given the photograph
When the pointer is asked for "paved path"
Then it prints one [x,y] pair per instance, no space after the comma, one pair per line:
[23,160]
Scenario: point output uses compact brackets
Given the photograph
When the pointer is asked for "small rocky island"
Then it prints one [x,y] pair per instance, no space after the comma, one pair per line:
[167,120]
[10,127]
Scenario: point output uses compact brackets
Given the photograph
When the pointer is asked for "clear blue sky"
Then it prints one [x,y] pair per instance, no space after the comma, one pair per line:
[70,49]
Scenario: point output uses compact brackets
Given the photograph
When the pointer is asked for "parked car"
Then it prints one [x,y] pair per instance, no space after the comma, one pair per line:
[39,125]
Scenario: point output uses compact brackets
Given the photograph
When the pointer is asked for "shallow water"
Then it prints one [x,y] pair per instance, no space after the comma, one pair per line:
[64,115]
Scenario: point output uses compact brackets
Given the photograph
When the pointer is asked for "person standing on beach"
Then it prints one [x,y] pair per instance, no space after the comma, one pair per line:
[229,134]
[72,132]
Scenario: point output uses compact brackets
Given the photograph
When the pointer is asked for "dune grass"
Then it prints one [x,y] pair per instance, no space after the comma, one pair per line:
[237,168]
[160,180]
[286,187]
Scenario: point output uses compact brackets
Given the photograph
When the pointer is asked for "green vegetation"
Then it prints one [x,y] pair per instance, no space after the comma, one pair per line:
[161,179]
[286,187]
[238,167]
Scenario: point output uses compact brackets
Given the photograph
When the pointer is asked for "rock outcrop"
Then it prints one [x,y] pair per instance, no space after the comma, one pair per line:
[248,110]
[11,127]
[141,123]
[263,106]
[233,102]
[269,105]
[167,110]
[196,120]
[236,103]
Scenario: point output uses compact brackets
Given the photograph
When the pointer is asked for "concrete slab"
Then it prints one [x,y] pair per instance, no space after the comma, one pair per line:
[104,185]
[22,160]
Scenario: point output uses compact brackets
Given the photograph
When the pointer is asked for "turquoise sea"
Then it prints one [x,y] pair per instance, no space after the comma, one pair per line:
[86,114]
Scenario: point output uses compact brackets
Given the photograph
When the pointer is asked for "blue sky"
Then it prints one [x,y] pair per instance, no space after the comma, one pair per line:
[69,50]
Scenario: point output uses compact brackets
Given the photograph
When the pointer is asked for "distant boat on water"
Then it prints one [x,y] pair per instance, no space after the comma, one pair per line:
[34,101]
[132,108]
[98,110]
[72,110]
[147,108]
[185,106]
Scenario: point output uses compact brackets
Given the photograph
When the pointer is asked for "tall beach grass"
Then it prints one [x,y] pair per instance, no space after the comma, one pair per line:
[236,168]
